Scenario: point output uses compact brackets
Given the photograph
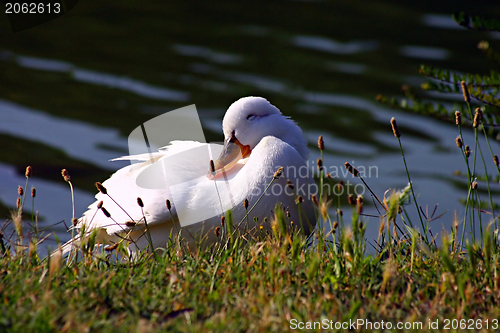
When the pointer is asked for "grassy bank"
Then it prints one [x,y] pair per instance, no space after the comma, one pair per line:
[262,286]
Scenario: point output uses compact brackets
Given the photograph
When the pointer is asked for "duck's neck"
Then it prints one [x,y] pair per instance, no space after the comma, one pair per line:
[292,134]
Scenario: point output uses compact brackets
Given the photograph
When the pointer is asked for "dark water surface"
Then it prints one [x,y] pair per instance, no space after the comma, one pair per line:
[73,89]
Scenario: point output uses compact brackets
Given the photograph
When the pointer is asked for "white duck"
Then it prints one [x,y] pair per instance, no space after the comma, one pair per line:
[258,140]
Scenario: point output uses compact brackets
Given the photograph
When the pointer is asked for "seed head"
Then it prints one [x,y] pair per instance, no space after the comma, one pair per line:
[130,224]
[315,199]
[351,200]
[169,205]
[139,202]
[495,159]
[458,118]
[18,203]
[359,204]
[289,185]
[278,173]
[340,212]
[329,176]
[467,151]
[212,166]
[55,262]
[340,185]
[474,185]
[319,164]
[217,231]
[74,221]
[287,214]
[111,247]
[222,220]
[245,203]
[395,128]
[20,191]
[321,143]
[299,200]
[101,188]
[99,204]
[33,192]
[65,175]
[483,45]
[29,171]
[478,116]
[351,169]
[335,225]
[465,92]
[459,142]
[323,208]
[105,211]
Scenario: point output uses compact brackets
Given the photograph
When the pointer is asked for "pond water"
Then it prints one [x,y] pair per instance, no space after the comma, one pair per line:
[73,89]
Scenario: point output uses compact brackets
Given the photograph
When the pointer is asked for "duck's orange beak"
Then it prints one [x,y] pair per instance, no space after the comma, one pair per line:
[232,152]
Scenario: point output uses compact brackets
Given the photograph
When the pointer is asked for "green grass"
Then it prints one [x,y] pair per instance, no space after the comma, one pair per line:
[257,287]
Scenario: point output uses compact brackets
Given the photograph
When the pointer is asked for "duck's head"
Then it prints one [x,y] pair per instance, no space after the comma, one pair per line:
[246,122]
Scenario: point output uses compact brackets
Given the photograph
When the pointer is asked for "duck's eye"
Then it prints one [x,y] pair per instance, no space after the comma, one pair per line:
[251,117]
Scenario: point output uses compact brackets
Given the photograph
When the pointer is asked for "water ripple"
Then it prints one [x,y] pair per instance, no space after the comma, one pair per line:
[424,52]
[207,54]
[77,139]
[102,79]
[332,46]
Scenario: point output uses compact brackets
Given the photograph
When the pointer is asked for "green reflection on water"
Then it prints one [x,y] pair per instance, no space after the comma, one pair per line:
[243,49]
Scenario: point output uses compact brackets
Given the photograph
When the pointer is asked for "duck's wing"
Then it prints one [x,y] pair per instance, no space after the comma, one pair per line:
[124,187]
[175,147]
